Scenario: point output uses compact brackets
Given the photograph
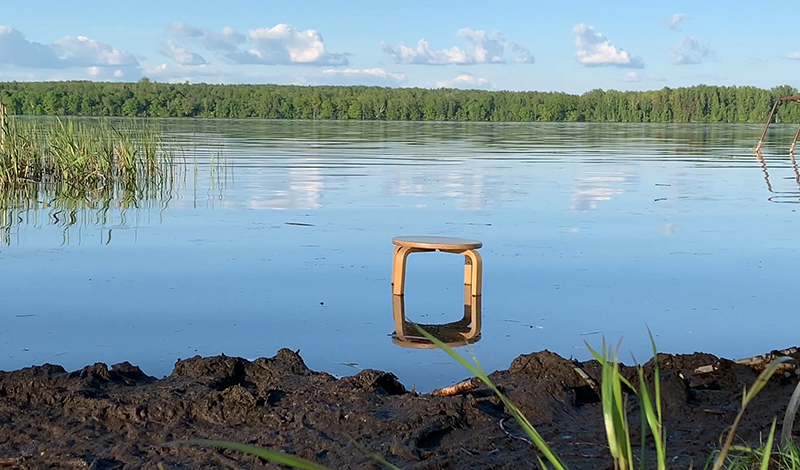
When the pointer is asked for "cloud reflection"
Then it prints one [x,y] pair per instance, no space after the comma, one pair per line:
[591,188]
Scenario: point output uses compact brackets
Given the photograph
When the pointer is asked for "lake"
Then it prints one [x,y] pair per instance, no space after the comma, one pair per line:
[279,234]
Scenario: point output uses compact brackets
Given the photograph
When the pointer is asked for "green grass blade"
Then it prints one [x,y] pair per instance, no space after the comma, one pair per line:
[788,418]
[653,421]
[748,396]
[657,375]
[764,377]
[768,448]
[521,419]
[614,406]
[271,455]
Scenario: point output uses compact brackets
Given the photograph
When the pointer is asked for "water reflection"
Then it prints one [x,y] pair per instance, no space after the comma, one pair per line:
[591,188]
[454,334]
[72,209]
[303,190]
[781,197]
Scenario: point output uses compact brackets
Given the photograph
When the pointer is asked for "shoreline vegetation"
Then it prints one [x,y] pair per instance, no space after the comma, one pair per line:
[87,156]
[73,165]
[700,103]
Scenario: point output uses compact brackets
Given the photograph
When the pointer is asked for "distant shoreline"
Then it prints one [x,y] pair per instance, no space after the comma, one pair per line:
[701,103]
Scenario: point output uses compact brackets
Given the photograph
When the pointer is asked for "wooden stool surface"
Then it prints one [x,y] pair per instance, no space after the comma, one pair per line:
[438,243]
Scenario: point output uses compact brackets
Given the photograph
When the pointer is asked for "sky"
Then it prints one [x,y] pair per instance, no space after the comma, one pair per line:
[570,46]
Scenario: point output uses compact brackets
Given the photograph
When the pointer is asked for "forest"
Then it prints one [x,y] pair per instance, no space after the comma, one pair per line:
[145,98]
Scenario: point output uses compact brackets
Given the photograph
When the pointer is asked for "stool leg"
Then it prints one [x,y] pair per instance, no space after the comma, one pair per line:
[399,314]
[399,270]
[475,312]
[394,262]
[467,270]
[468,298]
[476,271]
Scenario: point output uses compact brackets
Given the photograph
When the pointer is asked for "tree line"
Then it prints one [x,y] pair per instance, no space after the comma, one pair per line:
[700,103]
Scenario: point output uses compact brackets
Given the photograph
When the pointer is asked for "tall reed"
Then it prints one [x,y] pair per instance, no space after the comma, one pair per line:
[82,153]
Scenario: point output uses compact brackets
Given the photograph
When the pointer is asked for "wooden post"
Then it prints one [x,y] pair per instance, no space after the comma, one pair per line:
[769,119]
[794,141]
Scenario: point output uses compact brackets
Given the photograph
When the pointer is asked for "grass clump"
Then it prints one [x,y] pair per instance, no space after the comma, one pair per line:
[85,154]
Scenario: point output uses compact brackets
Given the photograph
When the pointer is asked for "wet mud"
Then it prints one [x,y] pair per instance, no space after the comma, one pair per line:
[117,417]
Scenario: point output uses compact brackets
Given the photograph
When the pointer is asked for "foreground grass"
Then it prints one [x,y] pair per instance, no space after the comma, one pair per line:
[614,408]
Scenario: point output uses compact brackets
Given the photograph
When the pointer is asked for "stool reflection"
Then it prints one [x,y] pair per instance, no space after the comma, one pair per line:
[459,333]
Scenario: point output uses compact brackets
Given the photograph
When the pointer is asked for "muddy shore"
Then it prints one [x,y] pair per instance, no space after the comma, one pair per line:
[117,417]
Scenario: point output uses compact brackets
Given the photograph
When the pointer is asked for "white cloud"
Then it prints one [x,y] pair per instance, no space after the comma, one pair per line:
[374,76]
[483,48]
[689,51]
[284,44]
[595,50]
[84,52]
[182,56]
[792,55]
[424,54]
[279,45]
[78,57]
[15,49]
[465,81]
[633,77]
[676,19]
[522,54]
[228,40]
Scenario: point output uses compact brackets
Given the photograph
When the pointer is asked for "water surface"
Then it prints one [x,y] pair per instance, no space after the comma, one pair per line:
[278,234]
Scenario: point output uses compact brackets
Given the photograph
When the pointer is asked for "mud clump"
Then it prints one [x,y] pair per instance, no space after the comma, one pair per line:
[118,417]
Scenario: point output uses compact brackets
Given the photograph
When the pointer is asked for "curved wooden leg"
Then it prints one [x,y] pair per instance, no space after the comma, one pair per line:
[394,262]
[399,268]
[399,314]
[475,313]
[476,271]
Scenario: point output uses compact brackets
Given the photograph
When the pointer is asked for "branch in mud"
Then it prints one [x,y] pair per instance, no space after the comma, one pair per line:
[464,386]
[757,363]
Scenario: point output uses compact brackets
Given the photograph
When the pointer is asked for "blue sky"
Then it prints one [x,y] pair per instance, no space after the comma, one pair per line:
[571,46]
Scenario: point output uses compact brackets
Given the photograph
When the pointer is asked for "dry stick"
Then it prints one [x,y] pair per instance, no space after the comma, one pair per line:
[762,360]
[13,461]
[466,385]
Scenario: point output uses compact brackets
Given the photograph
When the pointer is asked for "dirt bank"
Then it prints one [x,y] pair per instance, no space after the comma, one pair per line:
[118,417]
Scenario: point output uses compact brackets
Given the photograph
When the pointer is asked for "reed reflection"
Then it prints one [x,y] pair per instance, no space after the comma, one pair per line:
[72,208]
[781,197]
[454,334]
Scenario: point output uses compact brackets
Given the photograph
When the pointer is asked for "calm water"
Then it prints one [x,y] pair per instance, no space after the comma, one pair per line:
[278,234]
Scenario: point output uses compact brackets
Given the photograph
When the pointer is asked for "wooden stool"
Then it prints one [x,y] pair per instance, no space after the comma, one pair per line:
[473,264]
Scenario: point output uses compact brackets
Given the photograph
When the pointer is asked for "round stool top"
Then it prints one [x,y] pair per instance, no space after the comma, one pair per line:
[438,243]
